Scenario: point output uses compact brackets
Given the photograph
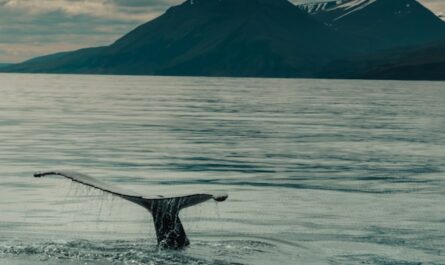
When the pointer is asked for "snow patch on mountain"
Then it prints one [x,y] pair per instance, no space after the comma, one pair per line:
[354,6]
[345,7]
[317,7]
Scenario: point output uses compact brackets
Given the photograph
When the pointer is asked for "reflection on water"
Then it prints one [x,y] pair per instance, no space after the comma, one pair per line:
[318,171]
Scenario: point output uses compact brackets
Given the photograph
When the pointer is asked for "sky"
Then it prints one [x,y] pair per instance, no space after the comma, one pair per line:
[30,28]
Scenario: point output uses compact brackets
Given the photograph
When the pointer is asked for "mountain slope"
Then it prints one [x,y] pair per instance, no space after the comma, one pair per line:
[427,63]
[384,23]
[415,63]
[210,37]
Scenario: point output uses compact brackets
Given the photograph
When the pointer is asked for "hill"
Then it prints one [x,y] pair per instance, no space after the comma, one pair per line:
[416,63]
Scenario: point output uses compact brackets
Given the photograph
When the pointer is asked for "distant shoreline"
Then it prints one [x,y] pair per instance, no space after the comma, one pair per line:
[223,77]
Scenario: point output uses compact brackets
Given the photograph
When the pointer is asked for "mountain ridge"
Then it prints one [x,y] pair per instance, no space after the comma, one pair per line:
[256,38]
[385,24]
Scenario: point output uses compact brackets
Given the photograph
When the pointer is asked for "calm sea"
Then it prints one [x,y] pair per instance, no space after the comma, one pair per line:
[318,171]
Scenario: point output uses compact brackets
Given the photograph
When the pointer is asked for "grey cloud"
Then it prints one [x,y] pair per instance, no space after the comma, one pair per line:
[145,3]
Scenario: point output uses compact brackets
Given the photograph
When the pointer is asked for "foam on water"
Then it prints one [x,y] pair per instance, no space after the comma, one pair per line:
[130,252]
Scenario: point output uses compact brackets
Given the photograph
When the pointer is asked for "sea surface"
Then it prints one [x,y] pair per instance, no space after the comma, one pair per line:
[317,171]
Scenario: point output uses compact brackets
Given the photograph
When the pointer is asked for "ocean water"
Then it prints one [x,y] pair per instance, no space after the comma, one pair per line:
[318,171]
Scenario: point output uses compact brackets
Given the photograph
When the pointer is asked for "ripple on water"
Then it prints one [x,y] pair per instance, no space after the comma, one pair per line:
[329,171]
[373,260]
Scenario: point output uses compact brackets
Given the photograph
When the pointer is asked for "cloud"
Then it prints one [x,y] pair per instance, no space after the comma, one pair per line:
[30,28]
[128,10]
[437,6]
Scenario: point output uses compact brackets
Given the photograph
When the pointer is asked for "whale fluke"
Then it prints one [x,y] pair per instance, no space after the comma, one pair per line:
[165,210]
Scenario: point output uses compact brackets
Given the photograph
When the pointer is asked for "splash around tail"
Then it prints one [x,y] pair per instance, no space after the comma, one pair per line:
[170,232]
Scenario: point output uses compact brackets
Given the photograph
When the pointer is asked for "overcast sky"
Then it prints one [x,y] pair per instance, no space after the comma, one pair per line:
[30,28]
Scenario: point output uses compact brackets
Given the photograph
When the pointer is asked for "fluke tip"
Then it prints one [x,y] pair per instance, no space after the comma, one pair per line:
[221,198]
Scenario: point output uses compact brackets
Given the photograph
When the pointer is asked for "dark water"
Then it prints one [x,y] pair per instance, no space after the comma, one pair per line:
[318,171]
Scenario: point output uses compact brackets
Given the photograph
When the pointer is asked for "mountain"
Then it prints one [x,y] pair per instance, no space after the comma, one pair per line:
[270,38]
[385,24]
[210,38]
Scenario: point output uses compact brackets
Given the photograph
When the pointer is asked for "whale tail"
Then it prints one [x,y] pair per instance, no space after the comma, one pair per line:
[170,232]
